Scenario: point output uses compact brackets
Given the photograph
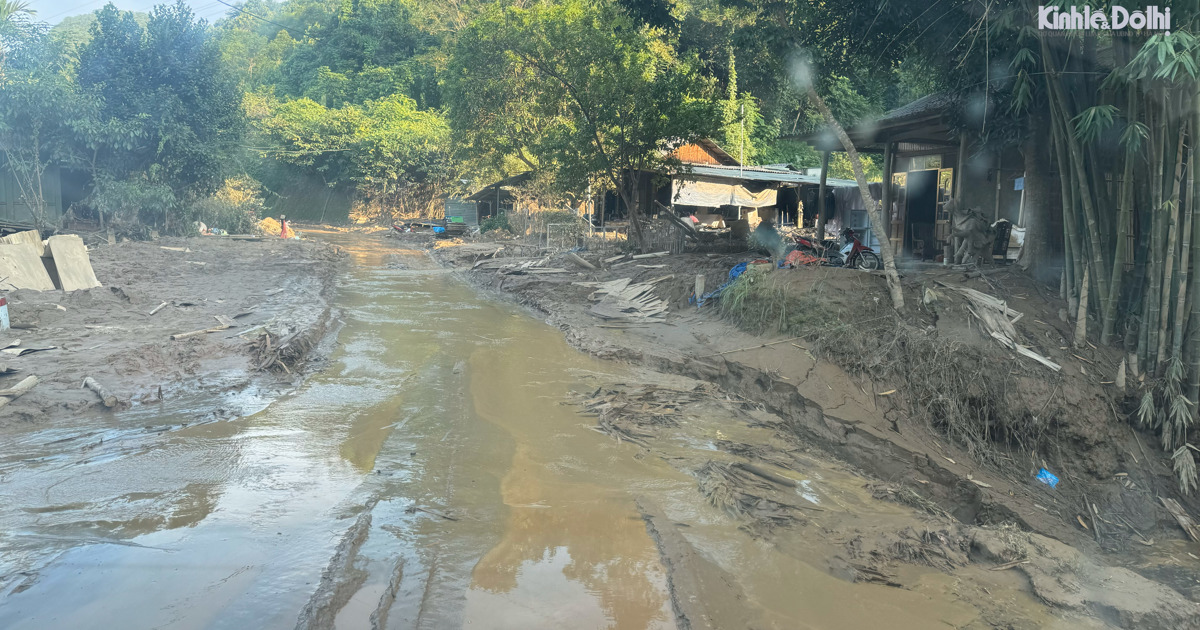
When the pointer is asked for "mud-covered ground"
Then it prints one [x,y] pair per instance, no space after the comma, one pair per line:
[848,396]
[452,462]
[110,335]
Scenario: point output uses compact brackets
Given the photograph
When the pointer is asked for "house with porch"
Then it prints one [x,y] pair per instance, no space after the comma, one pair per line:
[929,160]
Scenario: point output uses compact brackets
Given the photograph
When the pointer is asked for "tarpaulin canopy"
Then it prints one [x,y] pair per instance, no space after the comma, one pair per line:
[714,195]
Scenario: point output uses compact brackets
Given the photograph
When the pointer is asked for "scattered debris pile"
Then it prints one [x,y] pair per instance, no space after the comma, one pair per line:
[282,349]
[748,491]
[628,414]
[619,300]
[997,319]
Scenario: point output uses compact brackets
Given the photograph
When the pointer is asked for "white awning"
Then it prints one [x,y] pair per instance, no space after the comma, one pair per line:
[713,195]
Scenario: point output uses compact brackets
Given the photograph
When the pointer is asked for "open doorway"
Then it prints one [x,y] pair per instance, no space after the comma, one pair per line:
[921,213]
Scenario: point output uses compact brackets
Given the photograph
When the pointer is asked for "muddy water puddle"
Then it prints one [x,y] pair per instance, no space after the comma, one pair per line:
[431,476]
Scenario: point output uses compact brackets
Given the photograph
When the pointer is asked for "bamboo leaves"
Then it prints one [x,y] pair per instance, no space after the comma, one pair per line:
[1093,121]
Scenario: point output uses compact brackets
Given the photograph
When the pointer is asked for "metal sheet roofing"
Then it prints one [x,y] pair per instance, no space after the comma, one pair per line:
[760,174]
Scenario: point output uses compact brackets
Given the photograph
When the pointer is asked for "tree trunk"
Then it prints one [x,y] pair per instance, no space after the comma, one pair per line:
[885,245]
[1036,154]
[821,192]
[632,195]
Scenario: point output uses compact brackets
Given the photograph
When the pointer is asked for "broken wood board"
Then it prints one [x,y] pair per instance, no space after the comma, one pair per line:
[18,390]
[33,237]
[74,267]
[21,268]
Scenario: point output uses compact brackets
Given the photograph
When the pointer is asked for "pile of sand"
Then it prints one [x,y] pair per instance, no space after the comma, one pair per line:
[270,227]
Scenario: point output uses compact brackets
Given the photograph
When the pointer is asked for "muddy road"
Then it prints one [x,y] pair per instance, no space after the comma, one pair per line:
[438,472]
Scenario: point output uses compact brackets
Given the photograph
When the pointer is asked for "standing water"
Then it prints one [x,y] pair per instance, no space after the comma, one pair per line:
[431,474]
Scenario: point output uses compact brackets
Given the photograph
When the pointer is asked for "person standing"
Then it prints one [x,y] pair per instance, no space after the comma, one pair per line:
[284,232]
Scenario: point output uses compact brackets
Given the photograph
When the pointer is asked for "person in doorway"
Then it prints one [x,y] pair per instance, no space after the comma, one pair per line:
[284,232]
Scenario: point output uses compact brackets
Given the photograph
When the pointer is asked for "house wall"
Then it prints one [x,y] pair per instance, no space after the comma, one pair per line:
[695,154]
[468,210]
[16,212]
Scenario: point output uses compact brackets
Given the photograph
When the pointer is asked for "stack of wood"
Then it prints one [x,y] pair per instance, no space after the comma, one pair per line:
[514,266]
[619,300]
[998,319]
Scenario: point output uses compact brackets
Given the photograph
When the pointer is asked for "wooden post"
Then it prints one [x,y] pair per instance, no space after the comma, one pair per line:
[821,198]
[999,174]
[888,155]
[962,160]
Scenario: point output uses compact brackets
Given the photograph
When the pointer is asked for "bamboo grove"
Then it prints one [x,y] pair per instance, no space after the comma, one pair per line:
[1123,122]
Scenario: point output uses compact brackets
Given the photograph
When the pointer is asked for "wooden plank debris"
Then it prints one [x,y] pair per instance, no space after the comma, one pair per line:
[651,255]
[73,267]
[18,390]
[158,308]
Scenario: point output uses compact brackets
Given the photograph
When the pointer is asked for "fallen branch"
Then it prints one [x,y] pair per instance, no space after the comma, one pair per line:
[750,347]
[578,260]
[106,396]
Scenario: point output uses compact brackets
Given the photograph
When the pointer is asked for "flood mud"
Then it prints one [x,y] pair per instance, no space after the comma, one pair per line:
[455,463]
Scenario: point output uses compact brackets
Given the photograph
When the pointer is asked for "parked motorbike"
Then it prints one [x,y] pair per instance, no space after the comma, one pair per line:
[849,253]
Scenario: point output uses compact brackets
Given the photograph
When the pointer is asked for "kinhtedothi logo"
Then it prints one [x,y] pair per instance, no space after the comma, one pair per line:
[1058,19]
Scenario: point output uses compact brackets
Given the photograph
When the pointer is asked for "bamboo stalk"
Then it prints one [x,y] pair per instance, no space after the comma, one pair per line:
[1082,185]
[1185,251]
[1173,210]
[1072,261]
[1124,219]
[1193,388]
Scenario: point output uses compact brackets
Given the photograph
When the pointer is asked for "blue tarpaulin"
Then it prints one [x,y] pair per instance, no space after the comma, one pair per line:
[1047,477]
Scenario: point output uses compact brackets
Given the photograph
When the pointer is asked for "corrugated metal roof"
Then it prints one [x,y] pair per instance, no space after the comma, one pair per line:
[760,174]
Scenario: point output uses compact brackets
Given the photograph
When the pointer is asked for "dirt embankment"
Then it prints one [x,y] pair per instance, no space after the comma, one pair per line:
[280,288]
[927,402]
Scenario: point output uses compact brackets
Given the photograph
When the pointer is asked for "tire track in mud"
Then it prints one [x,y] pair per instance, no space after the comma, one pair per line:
[340,580]
[703,596]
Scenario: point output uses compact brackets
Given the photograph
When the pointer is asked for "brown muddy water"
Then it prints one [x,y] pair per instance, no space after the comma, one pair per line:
[430,476]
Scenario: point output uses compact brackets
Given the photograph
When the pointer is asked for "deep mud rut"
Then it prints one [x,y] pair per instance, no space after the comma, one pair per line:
[441,473]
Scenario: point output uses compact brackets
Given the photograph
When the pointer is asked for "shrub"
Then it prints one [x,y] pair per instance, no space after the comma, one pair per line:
[234,208]
[497,222]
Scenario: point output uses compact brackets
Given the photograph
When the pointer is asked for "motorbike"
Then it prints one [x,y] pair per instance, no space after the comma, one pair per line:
[851,252]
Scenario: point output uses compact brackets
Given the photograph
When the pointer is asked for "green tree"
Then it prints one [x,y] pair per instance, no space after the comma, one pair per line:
[13,14]
[396,155]
[608,97]
[168,111]
[39,110]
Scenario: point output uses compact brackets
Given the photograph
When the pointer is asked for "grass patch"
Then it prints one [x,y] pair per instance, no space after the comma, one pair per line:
[759,303]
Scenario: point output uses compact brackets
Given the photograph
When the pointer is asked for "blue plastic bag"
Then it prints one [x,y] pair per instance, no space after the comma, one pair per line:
[1047,477]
